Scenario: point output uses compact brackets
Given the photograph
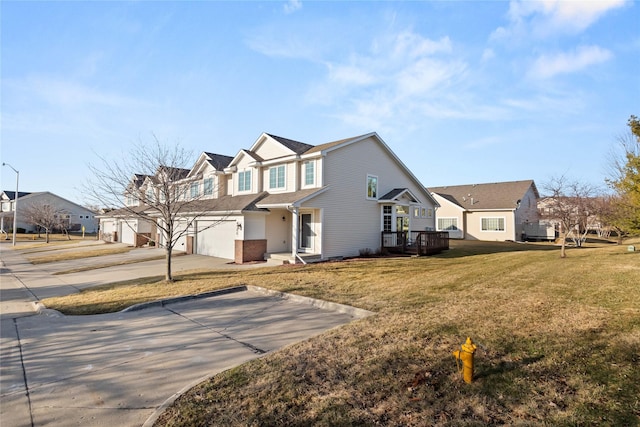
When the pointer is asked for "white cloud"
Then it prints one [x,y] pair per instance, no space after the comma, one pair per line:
[292,5]
[548,17]
[547,66]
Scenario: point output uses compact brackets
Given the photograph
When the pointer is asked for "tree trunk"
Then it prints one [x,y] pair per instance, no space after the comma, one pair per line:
[563,250]
[168,276]
[46,235]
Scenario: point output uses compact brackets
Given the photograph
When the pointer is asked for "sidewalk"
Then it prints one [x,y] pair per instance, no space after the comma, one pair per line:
[120,368]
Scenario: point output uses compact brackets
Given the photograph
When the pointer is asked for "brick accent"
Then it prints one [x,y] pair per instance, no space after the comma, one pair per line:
[250,250]
[142,239]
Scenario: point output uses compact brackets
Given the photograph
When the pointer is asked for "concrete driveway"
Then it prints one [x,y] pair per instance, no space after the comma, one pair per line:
[121,368]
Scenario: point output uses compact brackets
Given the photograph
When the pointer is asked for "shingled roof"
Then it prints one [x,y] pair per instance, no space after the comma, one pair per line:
[496,195]
[295,146]
[218,161]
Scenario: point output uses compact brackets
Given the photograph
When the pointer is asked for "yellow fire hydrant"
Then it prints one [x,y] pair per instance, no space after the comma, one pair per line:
[466,356]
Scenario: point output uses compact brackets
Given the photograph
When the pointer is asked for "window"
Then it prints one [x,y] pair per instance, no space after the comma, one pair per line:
[195,189]
[149,194]
[387,213]
[416,212]
[309,175]
[276,177]
[448,224]
[492,224]
[372,187]
[244,181]
[208,186]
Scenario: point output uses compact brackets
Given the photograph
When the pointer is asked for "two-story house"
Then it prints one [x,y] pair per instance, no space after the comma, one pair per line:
[298,200]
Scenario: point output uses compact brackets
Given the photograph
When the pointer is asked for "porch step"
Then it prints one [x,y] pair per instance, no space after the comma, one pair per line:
[286,258]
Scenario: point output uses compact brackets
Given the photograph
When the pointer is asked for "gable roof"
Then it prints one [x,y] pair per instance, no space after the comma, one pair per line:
[496,195]
[396,194]
[218,161]
[295,146]
[11,195]
[30,196]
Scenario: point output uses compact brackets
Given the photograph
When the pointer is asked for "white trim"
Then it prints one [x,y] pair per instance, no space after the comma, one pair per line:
[504,220]
[377,189]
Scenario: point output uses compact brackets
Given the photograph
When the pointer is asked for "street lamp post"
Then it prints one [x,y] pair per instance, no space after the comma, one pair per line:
[15,203]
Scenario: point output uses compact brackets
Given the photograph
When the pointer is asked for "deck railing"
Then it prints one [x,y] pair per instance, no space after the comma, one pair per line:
[415,242]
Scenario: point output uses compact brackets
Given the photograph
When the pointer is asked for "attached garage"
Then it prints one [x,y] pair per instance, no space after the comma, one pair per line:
[127,233]
[216,238]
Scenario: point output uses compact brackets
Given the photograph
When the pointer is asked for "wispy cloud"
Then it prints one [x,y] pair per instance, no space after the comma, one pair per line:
[547,66]
[292,6]
[550,17]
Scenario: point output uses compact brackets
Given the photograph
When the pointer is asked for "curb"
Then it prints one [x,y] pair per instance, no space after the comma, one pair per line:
[357,313]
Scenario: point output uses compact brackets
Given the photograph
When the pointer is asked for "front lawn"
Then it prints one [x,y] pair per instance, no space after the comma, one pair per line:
[559,342]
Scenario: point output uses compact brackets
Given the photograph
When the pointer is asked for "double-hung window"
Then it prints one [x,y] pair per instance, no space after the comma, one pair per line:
[276,177]
[208,186]
[244,181]
[309,174]
[195,190]
[492,224]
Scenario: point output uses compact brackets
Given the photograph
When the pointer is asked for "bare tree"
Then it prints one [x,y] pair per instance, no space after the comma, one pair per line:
[45,216]
[151,184]
[572,205]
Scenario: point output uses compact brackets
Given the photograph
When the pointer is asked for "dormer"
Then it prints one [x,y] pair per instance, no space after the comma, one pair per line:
[207,175]
[245,173]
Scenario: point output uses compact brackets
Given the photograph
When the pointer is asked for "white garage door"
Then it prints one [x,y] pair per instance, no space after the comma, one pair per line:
[219,240]
[128,235]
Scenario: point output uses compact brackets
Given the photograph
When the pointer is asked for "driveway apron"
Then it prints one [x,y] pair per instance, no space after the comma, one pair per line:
[119,368]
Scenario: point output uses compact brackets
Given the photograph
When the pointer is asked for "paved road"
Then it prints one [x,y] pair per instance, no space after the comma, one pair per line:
[118,369]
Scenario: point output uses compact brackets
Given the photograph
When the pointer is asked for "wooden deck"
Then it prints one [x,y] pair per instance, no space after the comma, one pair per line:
[415,242]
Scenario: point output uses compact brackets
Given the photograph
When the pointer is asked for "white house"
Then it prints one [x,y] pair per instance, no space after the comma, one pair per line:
[74,216]
[492,211]
[296,200]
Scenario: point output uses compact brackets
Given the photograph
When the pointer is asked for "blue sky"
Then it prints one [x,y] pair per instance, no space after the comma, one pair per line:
[463,92]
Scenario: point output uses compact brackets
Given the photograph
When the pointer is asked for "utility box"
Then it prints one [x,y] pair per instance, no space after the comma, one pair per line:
[631,248]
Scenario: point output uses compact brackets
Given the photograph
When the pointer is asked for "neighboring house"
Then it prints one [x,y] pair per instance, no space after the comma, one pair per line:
[290,199]
[499,211]
[73,215]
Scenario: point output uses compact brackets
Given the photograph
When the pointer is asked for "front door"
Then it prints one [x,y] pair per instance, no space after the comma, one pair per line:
[306,232]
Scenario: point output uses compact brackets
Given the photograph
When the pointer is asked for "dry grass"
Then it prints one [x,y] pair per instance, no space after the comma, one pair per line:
[69,255]
[559,342]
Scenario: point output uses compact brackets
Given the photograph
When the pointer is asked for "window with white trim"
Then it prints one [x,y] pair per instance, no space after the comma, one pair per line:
[447,224]
[276,177]
[244,181]
[387,217]
[372,187]
[195,190]
[492,224]
[208,186]
[309,173]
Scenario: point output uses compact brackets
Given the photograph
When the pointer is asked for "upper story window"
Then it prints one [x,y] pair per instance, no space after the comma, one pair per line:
[372,187]
[149,194]
[195,189]
[208,186]
[309,174]
[276,177]
[492,224]
[131,200]
[244,181]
